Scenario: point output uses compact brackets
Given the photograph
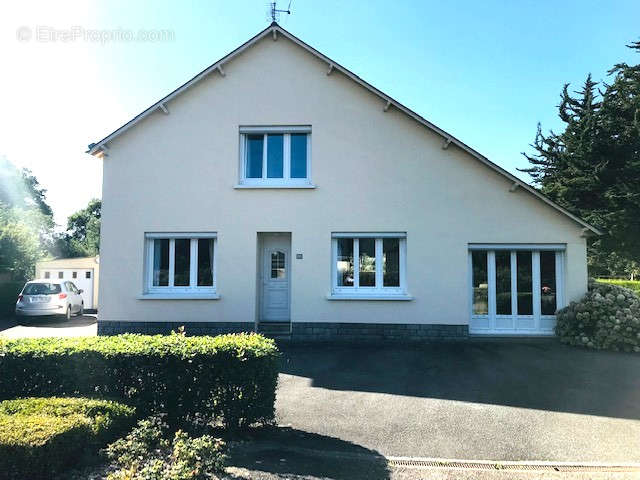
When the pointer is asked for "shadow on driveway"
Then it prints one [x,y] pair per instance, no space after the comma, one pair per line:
[543,374]
[286,451]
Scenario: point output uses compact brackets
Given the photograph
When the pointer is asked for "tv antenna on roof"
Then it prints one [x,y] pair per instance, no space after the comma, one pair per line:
[275,12]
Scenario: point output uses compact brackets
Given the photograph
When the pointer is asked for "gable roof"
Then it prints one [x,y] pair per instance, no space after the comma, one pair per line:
[274,29]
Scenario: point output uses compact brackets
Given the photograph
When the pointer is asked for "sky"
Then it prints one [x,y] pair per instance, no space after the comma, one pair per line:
[486,72]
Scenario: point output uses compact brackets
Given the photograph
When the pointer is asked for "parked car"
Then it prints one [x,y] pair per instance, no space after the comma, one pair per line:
[49,297]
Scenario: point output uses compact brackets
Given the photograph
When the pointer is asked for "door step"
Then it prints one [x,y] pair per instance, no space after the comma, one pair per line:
[275,329]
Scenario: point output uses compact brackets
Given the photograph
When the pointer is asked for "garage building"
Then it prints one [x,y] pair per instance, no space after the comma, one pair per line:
[82,271]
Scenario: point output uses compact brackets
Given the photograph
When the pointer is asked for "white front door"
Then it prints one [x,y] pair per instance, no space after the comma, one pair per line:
[275,279]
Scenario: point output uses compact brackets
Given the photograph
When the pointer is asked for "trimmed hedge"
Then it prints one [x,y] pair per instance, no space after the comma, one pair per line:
[607,317]
[41,436]
[231,378]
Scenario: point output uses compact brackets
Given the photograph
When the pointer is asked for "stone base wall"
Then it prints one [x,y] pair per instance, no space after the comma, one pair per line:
[301,332]
[311,332]
[107,327]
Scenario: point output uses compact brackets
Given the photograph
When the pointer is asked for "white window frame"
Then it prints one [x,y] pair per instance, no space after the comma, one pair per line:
[193,290]
[490,320]
[286,180]
[379,291]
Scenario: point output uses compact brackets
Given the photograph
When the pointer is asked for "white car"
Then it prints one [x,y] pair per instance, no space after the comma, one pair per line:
[49,297]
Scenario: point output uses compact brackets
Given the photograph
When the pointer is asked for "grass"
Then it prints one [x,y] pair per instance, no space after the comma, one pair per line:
[630,284]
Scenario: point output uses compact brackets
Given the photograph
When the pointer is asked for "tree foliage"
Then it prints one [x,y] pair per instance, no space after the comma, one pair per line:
[20,248]
[592,168]
[82,238]
[26,221]
[20,189]
[27,226]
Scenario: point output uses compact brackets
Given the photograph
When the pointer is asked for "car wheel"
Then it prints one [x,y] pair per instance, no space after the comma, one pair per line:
[68,314]
[81,310]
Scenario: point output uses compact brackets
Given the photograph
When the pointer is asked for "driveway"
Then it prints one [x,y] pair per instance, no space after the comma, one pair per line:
[491,400]
[34,327]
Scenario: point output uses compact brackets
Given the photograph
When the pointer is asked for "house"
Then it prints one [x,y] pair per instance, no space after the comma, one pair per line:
[82,271]
[278,191]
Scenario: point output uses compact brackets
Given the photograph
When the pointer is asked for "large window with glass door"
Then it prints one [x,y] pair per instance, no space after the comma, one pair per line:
[515,289]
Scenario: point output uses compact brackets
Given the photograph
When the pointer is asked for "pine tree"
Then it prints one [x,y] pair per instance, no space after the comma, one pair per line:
[620,136]
[592,168]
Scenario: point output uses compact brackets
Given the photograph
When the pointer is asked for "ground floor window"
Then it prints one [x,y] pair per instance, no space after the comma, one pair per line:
[368,264]
[515,289]
[180,263]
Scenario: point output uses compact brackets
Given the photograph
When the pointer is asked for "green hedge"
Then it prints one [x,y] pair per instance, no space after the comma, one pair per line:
[607,317]
[231,378]
[42,436]
[630,284]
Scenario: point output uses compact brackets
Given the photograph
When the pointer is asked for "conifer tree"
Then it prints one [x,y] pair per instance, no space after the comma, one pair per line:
[592,168]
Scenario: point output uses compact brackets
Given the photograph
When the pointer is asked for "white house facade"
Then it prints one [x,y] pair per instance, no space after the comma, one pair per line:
[277,191]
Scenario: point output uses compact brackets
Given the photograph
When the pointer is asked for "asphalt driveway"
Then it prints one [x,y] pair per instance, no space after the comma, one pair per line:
[492,400]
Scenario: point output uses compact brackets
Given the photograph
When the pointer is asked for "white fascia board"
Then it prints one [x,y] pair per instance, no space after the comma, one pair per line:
[96,148]
[448,137]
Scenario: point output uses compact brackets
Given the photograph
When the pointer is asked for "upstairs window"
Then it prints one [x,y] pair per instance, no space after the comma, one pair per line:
[275,156]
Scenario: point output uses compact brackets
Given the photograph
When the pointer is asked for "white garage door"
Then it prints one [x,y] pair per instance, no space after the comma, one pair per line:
[515,290]
[81,278]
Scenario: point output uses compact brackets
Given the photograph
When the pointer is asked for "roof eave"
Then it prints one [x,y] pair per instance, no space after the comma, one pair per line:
[99,148]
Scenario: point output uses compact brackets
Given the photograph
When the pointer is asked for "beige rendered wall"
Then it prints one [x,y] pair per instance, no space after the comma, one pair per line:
[374,171]
[79,263]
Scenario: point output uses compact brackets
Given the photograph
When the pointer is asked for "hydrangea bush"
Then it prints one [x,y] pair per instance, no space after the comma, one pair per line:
[606,318]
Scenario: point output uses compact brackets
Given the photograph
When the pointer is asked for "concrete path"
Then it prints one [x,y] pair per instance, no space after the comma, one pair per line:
[262,472]
[36,327]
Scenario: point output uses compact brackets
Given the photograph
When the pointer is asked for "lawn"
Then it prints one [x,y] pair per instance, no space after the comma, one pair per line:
[631,284]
